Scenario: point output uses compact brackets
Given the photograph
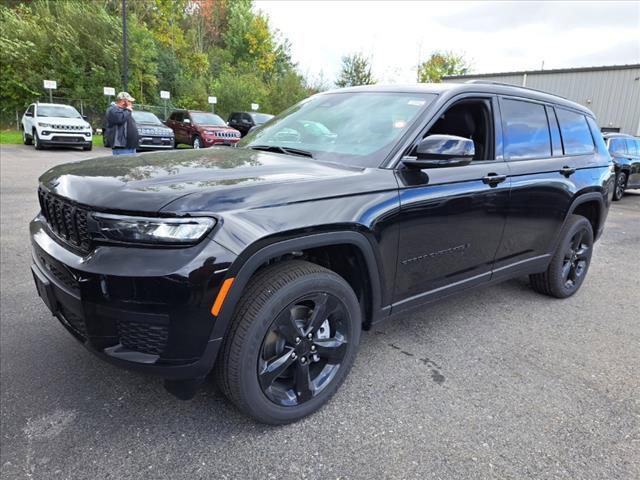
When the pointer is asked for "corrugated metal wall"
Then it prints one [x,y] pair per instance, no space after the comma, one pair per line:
[612,94]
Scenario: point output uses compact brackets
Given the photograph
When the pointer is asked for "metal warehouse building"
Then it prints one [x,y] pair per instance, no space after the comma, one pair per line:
[612,93]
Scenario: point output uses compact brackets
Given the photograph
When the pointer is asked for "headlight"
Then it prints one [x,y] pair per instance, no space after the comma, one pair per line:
[172,231]
[210,132]
[44,125]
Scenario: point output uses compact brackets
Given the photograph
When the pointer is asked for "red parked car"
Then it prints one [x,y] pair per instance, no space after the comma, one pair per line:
[201,129]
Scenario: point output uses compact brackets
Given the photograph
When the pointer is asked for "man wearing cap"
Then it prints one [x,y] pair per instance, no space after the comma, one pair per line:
[122,132]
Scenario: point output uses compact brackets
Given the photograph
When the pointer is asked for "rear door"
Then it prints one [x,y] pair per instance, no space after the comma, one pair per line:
[549,151]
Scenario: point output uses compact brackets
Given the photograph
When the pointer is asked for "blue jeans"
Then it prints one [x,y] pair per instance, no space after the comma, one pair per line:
[123,151]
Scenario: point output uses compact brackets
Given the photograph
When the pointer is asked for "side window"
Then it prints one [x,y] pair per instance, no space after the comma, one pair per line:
[470,118]
[526,130]
[576,137]
[554,129]
[30,109]
[617,145]
[632,146]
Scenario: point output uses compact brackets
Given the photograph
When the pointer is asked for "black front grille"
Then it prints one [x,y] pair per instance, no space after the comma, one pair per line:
[143,337]
[58,138]
[66,220]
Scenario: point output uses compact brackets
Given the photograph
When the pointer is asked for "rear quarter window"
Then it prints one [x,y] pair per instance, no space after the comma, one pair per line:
[526,130]
[574,129]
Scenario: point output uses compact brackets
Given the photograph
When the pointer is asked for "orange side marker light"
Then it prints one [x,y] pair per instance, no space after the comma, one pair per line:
[222,294]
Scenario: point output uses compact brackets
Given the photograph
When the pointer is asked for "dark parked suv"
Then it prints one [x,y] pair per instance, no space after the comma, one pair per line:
[264,263]
[247,121]
[625,152]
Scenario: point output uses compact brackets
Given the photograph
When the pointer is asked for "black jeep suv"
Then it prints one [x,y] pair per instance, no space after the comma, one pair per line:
[265,262]
[625,153]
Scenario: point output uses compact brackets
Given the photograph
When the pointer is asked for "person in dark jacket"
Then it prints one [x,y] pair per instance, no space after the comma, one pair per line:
[122,132]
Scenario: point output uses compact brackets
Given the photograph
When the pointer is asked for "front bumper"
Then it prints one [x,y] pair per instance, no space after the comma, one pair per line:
[153,142]
[64,138]
[210,141]
[142,308]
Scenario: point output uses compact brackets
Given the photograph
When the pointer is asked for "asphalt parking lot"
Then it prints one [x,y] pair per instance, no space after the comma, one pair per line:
[500,382]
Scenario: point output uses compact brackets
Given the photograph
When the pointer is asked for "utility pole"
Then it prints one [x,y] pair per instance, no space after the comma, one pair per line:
[125,55]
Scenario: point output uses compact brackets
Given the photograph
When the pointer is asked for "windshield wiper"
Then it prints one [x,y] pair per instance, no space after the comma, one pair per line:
[285,150]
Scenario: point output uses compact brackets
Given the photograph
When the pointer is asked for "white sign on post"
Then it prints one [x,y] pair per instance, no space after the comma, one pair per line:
[50,84]
[255,106]
[213,100]
[164,94]
[110,91]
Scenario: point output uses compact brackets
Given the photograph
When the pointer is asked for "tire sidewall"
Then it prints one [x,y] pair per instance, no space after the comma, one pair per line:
[557,282]
[256,401]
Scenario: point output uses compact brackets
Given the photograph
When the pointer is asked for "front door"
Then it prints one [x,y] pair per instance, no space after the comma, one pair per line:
[452,218]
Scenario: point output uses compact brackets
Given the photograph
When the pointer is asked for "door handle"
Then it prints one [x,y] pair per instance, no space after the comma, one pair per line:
[567,171]
[493,179]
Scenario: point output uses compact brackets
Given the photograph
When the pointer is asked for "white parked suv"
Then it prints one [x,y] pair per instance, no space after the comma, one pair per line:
[46,124]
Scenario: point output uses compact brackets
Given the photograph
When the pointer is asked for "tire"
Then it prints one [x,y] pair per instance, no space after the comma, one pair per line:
[88,147]
[196,142]
[620,185]
[570,263]
[36,141]
[26,139]
[263,321]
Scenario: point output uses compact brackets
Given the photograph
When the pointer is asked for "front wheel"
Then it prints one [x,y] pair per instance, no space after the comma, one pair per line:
[570,263]
[292,341]
[87,147]
[621,184]
[196,143]
[36,141]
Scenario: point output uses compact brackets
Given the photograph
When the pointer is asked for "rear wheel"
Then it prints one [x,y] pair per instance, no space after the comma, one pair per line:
[570,263]
[26,139]
[196,143]
[292,342]
[621,184]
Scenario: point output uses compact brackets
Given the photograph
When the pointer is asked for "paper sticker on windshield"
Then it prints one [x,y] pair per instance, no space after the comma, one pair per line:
[416,103]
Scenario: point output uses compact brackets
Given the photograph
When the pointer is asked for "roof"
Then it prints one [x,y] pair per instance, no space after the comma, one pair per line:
[476,87]
[538,72]
[42,104]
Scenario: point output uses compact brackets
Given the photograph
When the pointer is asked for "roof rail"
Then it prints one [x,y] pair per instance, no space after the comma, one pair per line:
[491,82]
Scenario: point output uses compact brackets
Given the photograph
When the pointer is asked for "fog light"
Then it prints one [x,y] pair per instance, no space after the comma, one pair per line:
[45,132]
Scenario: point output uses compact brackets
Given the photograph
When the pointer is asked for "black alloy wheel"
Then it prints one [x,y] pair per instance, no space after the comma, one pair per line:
[570,262]
[303,349]
[576,258]
[621,183]
[293,338]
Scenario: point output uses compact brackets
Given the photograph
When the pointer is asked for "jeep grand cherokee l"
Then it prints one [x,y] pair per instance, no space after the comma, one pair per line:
[263,263]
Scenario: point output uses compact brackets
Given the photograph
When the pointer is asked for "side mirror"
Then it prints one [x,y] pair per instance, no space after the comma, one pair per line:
[437,151]
[186,121]
[28,114]
[84,117]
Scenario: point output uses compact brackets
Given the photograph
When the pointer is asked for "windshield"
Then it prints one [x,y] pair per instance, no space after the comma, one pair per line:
[146,117]
[357,128]
[202,118]
[63,111]
[260,118]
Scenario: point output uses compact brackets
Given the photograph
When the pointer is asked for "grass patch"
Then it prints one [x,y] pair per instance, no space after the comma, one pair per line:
[14,137]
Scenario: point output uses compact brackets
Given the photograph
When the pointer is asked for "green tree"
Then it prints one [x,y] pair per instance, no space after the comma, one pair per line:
[356,70]
[441,64]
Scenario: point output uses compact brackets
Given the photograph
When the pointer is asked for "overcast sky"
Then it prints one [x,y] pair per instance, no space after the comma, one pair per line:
[494,36]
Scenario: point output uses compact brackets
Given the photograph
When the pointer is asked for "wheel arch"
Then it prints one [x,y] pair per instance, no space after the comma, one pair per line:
[591,206]
[293,248]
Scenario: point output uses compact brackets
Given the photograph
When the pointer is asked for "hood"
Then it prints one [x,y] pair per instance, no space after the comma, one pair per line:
[214,179]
